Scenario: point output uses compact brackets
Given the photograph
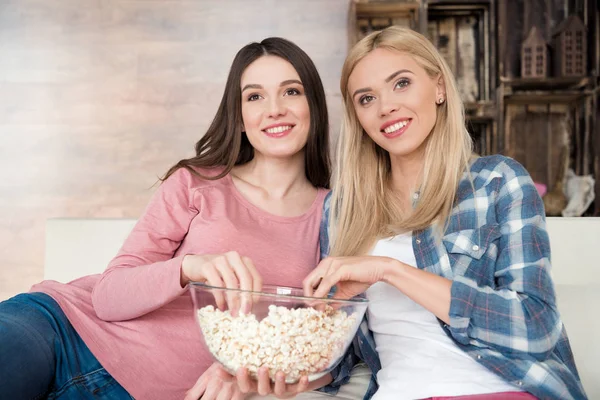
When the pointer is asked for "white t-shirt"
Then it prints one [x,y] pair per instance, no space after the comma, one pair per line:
[418,359]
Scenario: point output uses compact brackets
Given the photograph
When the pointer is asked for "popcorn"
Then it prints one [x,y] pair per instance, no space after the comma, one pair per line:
[301,341]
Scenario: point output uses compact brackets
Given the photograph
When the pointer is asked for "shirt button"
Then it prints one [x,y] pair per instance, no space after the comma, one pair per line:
[418,241]
[520,383]
[479,356]
[475,247]
[416,196]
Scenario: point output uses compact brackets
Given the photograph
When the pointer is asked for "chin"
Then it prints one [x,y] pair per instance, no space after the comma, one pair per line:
[401,151]
[281,154]
[283,151]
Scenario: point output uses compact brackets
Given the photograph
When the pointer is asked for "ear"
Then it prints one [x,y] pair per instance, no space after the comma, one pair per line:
[440,92]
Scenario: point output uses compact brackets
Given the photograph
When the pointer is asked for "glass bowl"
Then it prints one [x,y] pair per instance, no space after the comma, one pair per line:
[277,327]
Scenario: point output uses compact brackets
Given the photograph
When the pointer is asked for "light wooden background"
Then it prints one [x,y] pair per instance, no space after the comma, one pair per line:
[99,97]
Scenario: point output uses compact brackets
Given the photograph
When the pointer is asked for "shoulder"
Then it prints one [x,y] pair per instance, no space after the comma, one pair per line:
[192,187]
[327,200]
[496,181]
[196,178]
[496,172]
[497,165]
[326,207]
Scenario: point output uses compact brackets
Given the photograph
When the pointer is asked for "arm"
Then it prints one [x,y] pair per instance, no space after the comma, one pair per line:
[144,275]
[519,315]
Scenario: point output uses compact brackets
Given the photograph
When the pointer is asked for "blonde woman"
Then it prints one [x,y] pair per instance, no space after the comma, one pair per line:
[450,248]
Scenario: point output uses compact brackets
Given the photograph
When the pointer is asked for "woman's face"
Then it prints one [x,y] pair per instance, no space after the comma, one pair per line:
[395,100]
[275,109]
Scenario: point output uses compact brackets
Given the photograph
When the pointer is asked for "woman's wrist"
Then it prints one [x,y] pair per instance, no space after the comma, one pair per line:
[184,274]
[392,270]
[319,383]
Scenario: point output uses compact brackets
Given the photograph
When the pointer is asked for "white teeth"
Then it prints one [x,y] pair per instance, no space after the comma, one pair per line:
[396,126]
[278,129]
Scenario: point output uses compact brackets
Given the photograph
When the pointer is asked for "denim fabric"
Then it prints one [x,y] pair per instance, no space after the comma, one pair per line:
[43,357]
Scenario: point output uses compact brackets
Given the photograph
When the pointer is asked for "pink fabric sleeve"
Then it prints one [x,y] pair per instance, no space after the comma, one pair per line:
[144,276]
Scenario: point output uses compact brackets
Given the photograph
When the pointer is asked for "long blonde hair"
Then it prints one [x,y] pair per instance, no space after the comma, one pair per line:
[363,206]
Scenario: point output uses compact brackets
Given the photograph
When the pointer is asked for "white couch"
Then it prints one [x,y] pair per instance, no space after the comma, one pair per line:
[78,247]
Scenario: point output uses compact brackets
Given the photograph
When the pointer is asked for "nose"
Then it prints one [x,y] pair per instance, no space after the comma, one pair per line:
[387,105]
[276,107]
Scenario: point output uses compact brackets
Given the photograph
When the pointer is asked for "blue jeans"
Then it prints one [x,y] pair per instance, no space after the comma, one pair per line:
[43,357]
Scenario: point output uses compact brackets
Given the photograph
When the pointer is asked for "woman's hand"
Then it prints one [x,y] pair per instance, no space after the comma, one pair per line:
[215,384]
[351,275]
[229,270]
[263,385]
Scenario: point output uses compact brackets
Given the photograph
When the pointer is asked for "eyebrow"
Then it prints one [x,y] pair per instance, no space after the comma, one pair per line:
[387,80]
[284,83]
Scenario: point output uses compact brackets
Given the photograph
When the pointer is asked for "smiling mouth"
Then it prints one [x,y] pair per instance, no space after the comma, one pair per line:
[278,131]
[396,129]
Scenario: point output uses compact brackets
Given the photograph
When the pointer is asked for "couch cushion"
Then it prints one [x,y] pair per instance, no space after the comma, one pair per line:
[79,247]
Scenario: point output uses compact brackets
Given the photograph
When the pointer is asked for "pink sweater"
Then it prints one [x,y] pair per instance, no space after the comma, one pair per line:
[135,317]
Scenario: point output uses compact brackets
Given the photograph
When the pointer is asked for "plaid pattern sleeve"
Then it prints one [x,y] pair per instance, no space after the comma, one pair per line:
[517,314]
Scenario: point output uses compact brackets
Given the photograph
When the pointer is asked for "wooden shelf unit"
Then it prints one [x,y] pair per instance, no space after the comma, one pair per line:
[502,112]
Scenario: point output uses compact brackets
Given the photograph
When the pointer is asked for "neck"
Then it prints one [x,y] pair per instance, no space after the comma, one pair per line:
[279,177]
[407,172]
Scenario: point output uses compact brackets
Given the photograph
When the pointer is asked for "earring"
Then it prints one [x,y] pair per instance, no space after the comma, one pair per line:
[440,100]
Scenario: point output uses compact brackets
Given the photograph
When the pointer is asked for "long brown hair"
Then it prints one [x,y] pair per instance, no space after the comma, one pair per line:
[225,145]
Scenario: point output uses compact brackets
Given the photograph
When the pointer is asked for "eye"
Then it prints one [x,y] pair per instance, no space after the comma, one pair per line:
[253,97]
[292,92]
[402,83]
[366,99]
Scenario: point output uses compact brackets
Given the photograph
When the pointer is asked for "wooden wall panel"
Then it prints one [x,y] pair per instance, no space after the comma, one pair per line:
[99,97]
[537,135]
[511,36]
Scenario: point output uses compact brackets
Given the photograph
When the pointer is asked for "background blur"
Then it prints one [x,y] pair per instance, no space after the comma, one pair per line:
[99,97]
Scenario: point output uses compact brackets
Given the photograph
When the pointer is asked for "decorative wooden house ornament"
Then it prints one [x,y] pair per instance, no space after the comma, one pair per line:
[534,55]
[570,47]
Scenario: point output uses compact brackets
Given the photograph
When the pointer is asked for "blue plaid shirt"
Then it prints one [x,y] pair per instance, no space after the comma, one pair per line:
[503,310]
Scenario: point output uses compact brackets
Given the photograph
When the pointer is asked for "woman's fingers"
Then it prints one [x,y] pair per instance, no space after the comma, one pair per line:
[241,270]
[312,281]
[234,272]
[279,388]
[198,389]
[332,277]
[213,278]
[244,381]
[264,382]
[285,391]
[257,283]
[212,391]
[256,277]
[230,279]
[237,395]
[300,387]
[244,273]
[223,265]
[226,391]
[224,375]
[264,386]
